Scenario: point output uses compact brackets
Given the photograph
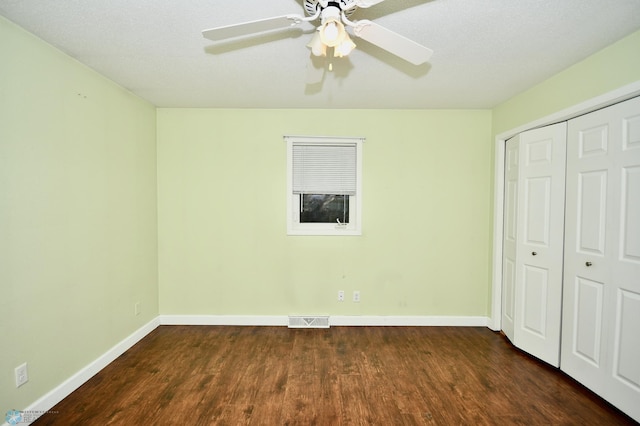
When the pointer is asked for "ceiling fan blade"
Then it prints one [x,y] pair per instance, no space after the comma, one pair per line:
[363,4]
[392,42]
[252,27]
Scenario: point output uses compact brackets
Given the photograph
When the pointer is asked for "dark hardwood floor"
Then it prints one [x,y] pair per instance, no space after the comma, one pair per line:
[206,375]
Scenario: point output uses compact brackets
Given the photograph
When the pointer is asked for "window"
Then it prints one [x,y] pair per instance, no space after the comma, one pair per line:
[324,185]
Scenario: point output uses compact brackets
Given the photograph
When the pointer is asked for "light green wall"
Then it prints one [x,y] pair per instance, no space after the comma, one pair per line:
[78,231]
[609,69]
[222,229]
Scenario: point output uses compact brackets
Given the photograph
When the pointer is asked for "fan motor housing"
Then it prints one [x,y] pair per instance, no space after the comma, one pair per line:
[348,6]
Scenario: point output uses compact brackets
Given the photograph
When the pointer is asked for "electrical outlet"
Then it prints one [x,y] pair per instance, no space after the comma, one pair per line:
[340,295]
[136,308]
[356,296]
[22,375]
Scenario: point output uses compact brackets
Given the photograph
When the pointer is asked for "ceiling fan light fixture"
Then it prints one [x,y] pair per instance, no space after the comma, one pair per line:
[317,47]
[344,48]
[332,32]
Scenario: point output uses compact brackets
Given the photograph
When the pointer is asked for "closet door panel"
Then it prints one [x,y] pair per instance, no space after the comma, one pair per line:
[537,211]
[510,237]
[630,223]
[601,300]
[539,246]
[588,320]
[592,202]
[626,350]
[535,288]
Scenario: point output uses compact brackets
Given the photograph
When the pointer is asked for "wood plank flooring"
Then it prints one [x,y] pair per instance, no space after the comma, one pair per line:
[210,375]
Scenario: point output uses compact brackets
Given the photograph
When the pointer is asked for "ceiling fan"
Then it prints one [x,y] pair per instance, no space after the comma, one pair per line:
[331,38]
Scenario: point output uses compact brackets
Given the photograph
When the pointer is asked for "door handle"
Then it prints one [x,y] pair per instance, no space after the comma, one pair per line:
[588,263]
[534,253]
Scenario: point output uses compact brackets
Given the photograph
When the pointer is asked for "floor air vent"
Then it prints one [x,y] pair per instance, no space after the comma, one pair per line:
[308,322]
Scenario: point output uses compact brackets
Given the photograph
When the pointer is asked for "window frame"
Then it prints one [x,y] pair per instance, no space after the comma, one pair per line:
[294,226]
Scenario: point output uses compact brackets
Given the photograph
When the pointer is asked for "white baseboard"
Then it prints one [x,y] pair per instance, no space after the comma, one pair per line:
[266,320]
[408,321]
[63,390]
[334,320]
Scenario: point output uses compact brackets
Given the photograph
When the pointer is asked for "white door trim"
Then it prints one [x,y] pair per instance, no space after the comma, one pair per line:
[618,95]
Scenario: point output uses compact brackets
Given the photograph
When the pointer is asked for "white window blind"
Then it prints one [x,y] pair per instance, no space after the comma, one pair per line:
[324,169]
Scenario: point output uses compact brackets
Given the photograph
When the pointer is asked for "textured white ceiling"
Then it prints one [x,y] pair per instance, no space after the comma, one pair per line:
[485,50]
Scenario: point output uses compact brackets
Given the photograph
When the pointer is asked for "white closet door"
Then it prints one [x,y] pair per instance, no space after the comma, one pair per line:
[539,249]
[601,308]
[533,241]
[510,236]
